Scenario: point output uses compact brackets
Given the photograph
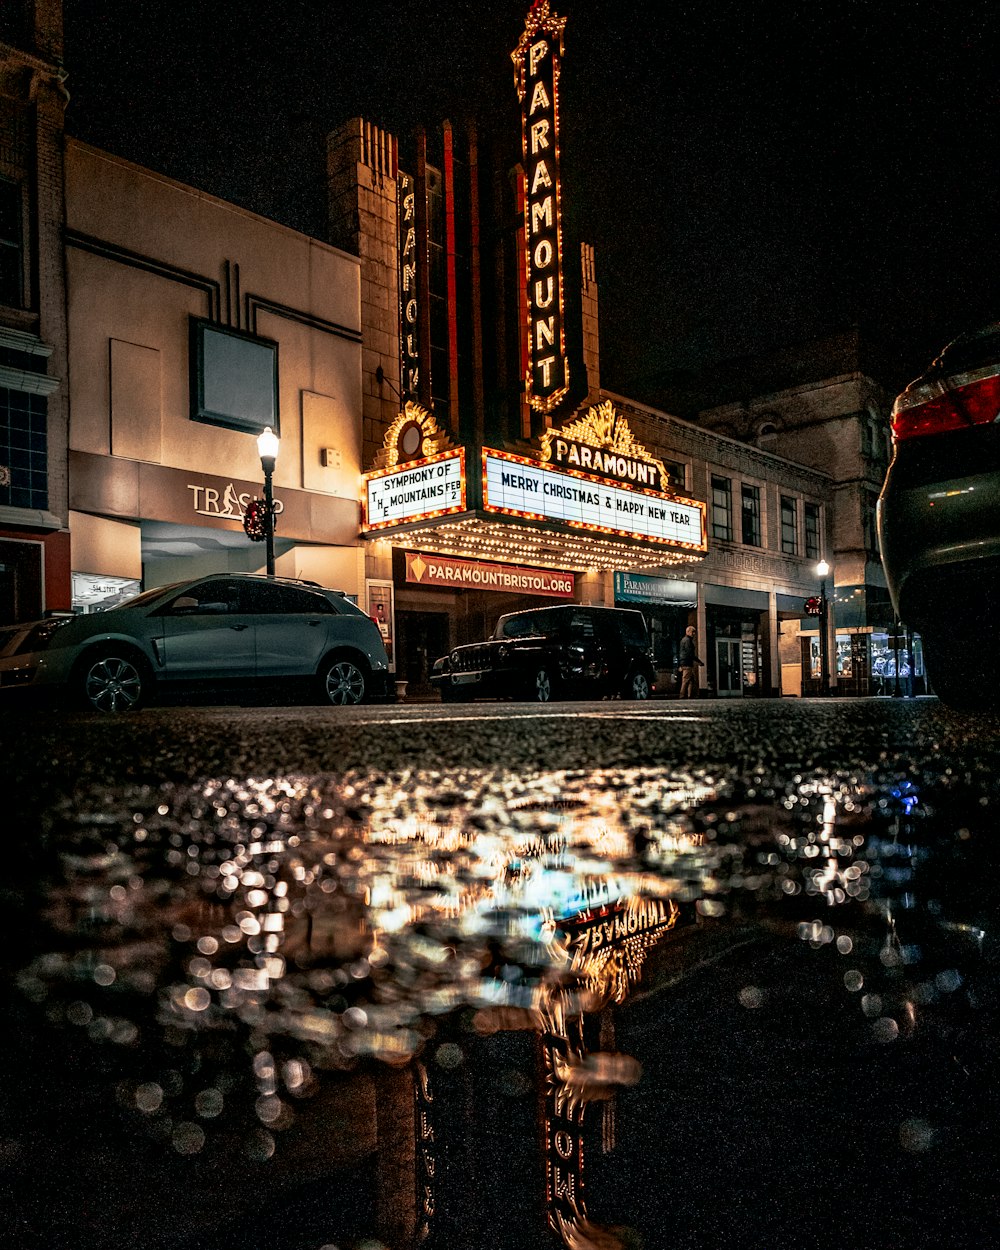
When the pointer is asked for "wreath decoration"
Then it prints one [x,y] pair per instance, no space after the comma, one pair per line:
[254,520]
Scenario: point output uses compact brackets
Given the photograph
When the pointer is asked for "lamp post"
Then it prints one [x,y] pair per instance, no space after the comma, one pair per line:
[267,449]
[823,572]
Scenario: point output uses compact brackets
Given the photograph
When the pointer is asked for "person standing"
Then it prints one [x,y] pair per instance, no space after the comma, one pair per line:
[689,665]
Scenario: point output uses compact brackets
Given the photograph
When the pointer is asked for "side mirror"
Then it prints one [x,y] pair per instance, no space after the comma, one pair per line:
[185,603]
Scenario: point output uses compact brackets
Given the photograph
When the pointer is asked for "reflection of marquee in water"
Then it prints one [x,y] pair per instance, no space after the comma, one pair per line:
[606,948]
[609,947]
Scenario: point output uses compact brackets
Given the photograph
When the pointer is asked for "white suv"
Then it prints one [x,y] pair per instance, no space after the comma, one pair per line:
[229,630]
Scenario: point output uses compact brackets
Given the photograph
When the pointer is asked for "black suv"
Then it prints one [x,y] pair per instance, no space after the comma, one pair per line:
[553,653]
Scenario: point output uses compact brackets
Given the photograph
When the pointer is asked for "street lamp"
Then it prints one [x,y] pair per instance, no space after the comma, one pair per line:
[267,449]
[823,572]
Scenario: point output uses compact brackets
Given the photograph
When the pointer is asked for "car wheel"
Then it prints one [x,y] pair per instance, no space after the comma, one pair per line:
[342,681]
[541,689]
[637,686]
[112,681]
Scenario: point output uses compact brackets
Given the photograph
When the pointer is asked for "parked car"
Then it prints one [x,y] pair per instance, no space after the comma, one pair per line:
[939,517]
[553,653]
[231,630]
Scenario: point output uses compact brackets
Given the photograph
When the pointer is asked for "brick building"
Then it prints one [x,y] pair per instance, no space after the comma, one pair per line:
[34,533]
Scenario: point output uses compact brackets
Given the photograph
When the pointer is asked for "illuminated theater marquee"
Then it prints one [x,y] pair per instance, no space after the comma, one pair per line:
[520,487]
[537,62]
[427,488]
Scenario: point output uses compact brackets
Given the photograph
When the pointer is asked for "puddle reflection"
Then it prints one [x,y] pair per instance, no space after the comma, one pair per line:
[422,974]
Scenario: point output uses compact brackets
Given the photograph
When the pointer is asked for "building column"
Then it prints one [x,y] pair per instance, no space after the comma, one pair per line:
[773,673]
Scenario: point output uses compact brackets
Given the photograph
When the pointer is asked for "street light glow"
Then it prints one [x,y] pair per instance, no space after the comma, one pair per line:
[822,569]
[267,444]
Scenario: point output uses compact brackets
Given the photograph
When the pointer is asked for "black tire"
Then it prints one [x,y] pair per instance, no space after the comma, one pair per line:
[112,680]
[450,695]
[343,680]
[541,688]
[637,686]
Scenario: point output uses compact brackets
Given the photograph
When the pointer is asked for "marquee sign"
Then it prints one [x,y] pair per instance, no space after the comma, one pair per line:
[421,473]
[519,487]
[409,353]
[601,442]
[537,59]
[426,488]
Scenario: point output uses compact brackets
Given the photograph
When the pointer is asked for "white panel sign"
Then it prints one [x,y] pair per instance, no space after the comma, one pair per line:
[428,488]
[526,488]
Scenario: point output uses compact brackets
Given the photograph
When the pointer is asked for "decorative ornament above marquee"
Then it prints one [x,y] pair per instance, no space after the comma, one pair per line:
[414,435]
[540,20]
[601,441]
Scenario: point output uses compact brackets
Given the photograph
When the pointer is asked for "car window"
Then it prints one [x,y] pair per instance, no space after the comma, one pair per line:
[268,599]
[522,626]
[581,625]
[148,596]
[633,630]
[216,598]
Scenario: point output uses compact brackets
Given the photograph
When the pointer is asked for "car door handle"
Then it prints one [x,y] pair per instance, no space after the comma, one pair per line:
[237,626]
[315,622]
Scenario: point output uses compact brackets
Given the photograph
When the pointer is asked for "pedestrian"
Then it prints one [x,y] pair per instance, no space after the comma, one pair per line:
[689,665]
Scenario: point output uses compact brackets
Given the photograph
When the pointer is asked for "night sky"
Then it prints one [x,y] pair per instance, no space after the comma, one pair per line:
[750,174]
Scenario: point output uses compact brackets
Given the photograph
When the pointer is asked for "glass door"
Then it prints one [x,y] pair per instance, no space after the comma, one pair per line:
[729,666]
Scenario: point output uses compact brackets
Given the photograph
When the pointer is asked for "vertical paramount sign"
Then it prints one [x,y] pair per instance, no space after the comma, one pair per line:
[537,63]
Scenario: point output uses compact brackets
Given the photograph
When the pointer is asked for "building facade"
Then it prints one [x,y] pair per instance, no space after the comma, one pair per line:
[194,325]
[823,407]
[34,531]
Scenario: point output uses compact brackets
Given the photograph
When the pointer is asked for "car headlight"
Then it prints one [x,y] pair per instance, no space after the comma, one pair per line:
[41,634]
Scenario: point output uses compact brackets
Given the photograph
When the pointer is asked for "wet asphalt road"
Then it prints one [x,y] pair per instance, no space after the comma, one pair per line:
[49,753]
[818,1052]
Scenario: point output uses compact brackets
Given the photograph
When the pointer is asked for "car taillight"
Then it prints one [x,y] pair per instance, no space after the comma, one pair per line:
[955,403]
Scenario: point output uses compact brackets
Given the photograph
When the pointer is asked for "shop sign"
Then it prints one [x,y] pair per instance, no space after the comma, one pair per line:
[601,442]
[425,569]
[226,504]
[537,61]
[515,486]
[409,344]
[637,588]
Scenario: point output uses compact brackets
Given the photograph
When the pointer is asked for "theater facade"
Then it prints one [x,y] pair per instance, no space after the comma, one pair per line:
[499,474]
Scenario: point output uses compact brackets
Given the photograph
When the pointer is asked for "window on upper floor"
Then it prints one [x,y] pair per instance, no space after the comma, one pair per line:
[789,526]
[11,244]
[722,508]
[676,475]
[751,514]
[810,517]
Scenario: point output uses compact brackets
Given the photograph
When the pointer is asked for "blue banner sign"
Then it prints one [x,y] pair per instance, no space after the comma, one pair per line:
[670,591]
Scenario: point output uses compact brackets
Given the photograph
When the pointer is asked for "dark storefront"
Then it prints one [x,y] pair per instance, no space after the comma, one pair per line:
[737,650]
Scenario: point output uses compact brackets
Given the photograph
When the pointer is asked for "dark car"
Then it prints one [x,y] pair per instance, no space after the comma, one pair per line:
[225,631]
[552,653]
[939,517]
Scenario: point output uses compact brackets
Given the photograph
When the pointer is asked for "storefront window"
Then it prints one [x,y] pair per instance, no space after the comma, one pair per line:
[94,594]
